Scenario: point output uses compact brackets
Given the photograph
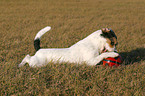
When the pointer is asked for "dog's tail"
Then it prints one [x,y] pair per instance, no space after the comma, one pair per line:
[38,36]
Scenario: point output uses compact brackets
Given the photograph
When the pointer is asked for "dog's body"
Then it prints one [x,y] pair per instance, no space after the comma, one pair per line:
[89,50]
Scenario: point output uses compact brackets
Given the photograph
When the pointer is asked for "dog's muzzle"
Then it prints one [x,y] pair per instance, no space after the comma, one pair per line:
[105,50]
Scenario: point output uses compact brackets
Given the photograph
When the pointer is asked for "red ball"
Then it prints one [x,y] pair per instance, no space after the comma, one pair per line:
[112,62]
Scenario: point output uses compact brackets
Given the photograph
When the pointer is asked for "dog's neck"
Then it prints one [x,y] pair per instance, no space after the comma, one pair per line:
[99,42]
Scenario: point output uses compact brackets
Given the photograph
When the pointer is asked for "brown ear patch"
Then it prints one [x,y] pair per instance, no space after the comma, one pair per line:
[111,43]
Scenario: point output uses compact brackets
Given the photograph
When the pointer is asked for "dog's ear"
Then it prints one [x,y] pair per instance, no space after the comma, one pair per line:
[105,32]
[108,33]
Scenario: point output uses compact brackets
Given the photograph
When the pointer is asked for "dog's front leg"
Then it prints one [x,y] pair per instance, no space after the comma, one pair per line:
[102,56]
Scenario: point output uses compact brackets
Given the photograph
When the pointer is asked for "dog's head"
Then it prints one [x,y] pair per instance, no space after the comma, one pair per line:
[111,40]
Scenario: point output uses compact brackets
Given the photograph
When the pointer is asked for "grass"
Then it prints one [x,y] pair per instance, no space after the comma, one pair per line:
[71,21]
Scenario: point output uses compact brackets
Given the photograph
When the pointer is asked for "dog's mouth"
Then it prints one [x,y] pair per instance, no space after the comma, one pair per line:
[104,50]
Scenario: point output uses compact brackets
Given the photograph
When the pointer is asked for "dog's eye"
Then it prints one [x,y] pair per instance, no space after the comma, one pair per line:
[112,43]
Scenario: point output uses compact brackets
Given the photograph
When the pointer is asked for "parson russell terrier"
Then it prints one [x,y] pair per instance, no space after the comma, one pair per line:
[90,50]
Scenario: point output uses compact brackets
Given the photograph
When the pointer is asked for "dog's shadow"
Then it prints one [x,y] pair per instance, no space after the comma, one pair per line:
[133,56]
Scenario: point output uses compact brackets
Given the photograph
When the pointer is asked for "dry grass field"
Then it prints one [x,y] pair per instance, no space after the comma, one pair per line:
[71,21]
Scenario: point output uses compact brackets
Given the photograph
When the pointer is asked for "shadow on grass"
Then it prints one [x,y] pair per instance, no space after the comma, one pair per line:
[133,56]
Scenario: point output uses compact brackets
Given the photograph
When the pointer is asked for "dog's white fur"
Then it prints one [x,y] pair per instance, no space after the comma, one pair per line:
[86,51]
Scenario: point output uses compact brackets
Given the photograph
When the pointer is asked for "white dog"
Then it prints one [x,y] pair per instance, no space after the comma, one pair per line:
[91,50]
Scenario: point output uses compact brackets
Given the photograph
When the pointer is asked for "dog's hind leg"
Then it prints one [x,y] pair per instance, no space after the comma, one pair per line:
[25,60]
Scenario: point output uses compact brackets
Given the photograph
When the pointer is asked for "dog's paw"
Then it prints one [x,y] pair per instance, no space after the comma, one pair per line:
[115,54]
[20,65]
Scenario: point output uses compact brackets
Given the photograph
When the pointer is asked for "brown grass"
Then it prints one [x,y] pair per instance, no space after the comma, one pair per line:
[71,20]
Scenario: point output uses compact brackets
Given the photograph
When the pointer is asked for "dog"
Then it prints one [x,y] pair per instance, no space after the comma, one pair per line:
[90,50]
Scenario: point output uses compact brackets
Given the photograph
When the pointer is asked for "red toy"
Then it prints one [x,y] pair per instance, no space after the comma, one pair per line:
[112,62]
